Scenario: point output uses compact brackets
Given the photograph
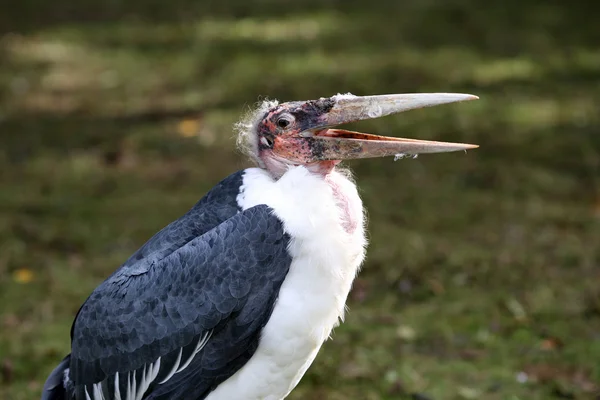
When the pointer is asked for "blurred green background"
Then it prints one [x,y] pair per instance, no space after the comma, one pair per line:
[483,277]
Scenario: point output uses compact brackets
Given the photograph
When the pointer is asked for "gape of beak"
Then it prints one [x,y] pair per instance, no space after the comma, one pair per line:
[303,133]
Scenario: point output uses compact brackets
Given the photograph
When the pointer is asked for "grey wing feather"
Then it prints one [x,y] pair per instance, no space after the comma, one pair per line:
[210,296]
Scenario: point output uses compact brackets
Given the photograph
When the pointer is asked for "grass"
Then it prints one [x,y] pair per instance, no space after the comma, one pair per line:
[483,268]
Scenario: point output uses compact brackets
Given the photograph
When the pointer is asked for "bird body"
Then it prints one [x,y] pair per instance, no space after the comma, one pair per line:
[233,300]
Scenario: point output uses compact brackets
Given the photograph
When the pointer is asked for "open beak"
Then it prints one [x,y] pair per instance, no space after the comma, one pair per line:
[328,143]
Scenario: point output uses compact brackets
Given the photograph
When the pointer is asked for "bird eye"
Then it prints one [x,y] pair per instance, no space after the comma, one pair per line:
[283,123]
[266,141]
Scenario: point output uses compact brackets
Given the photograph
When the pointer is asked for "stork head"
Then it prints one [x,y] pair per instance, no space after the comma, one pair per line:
[304,132]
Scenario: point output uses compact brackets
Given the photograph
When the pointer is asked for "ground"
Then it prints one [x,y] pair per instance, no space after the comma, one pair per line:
[482,278]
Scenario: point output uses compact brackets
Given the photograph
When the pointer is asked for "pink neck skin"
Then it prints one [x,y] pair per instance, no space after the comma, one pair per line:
[277,167]
[349,222]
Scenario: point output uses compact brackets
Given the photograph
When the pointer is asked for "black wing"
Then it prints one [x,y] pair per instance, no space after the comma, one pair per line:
[218,205]
[189,319]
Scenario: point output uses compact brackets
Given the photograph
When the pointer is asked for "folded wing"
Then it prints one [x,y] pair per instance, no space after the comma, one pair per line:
[184,321]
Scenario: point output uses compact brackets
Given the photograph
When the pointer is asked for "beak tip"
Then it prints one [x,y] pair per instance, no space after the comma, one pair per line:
[463,97]
[466,147]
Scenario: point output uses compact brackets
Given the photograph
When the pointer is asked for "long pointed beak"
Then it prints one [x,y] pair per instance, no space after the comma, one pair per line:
[338,144]
[350,108]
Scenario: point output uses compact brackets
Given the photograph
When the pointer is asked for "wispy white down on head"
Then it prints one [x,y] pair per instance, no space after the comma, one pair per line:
[247,140]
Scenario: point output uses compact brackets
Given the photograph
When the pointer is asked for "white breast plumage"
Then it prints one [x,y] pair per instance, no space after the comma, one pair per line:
[324,218]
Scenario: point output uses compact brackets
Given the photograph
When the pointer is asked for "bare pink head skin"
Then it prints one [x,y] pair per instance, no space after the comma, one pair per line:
[304,133]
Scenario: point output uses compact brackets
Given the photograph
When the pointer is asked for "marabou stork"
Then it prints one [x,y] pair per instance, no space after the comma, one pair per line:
[233,300]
